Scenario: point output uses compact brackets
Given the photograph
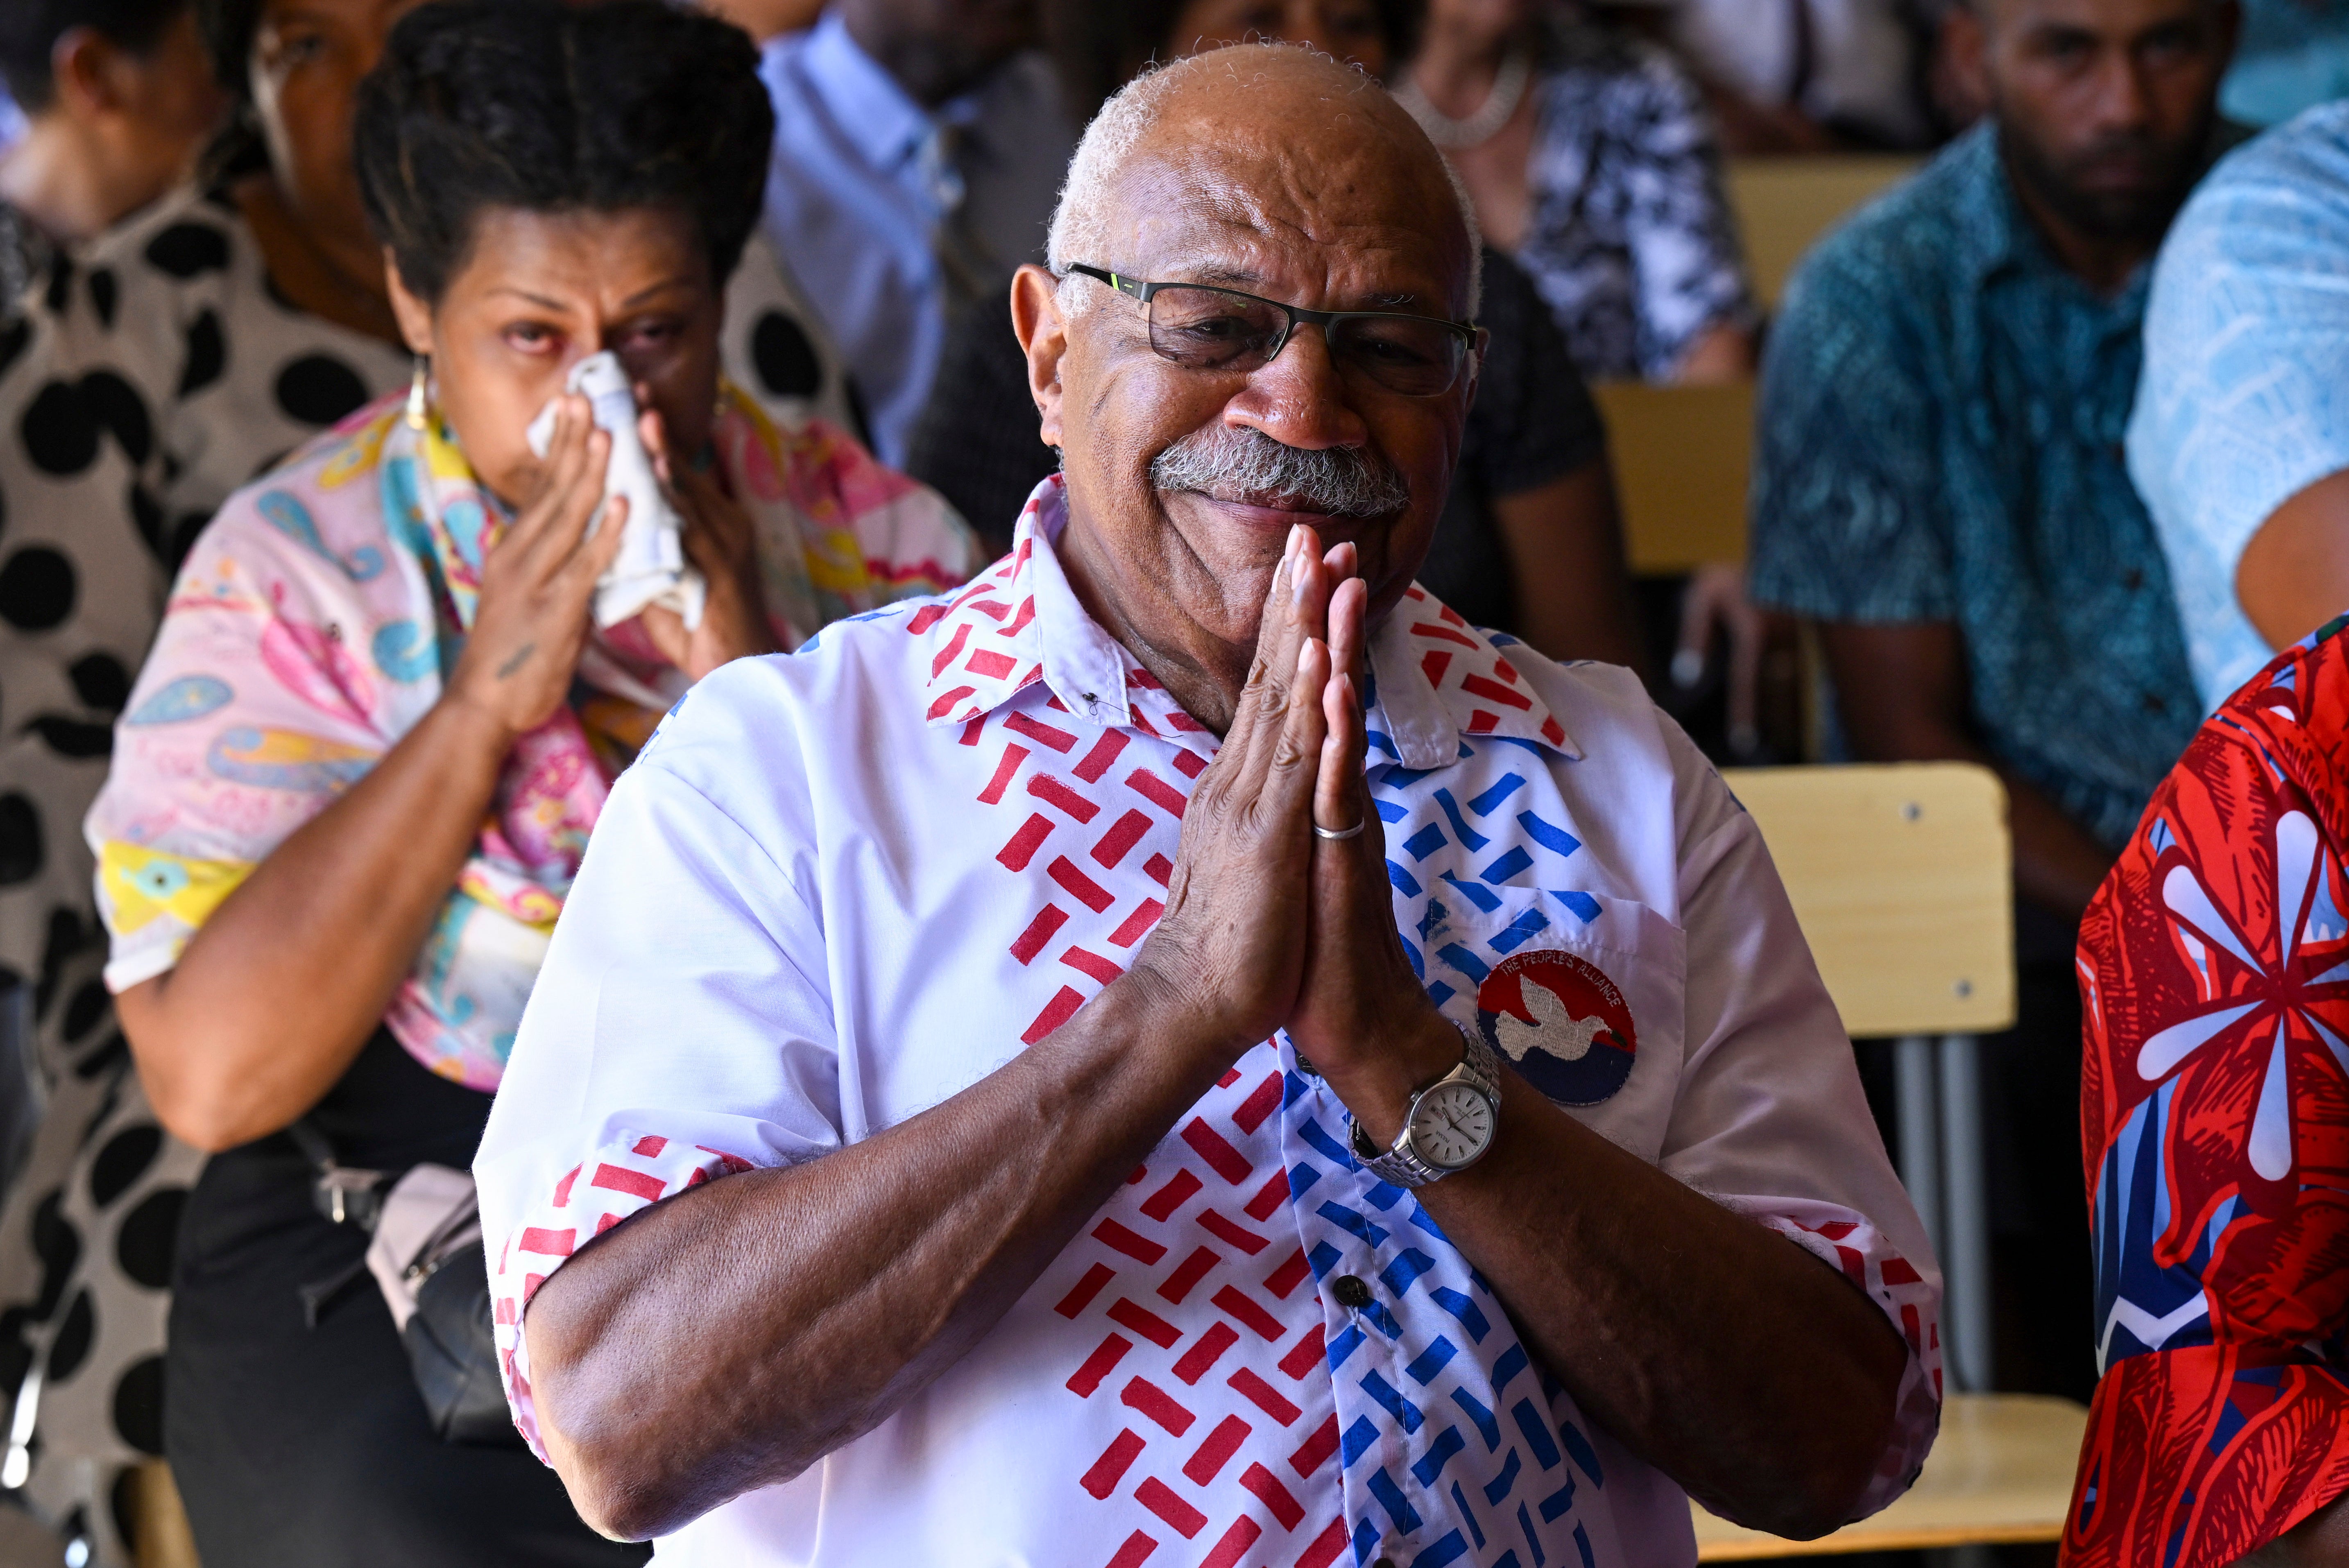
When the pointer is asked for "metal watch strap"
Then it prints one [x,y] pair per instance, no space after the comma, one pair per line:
[1480,1068]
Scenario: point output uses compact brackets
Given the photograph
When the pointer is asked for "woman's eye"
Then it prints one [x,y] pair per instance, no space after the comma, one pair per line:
[530,338]
[291,49]
[652,334]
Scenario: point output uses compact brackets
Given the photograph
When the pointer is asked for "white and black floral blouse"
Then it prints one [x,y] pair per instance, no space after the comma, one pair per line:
[1628,234]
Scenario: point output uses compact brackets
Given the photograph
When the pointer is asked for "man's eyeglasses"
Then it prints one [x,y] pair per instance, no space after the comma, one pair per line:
[1203,327]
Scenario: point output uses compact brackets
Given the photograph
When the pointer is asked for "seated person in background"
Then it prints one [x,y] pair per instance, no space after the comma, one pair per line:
[2240,443]
[182,352]
[1593,164]
[1805,75]
[1938,485]
[2217,1068]
[930,1142]
[358,770]
[1529,543]
[165,361]
[918,146]
[118,98]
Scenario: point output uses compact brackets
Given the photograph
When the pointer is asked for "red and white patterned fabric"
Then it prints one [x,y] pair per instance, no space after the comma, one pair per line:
[843,886]
[2214,1116]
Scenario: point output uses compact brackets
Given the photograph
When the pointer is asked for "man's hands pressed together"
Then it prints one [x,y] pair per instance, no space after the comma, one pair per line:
[1268,926]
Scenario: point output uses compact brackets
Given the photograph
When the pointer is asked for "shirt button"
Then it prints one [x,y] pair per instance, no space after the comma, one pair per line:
[2133,579]
[1350,1290]
[2153,704]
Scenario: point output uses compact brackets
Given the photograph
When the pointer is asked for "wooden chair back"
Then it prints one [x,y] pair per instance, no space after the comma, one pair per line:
[1682,455]
[1784,204]
[1901,877]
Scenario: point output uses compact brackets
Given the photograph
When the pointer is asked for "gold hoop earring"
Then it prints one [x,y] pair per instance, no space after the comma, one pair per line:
[417,398]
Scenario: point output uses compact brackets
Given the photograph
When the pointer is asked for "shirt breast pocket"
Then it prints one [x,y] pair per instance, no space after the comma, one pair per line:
[1583,996]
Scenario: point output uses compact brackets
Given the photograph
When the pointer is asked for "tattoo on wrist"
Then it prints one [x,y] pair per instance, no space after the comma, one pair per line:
[521,656]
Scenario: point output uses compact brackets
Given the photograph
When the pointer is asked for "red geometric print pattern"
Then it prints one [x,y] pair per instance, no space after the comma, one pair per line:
[1848,1242]
[2214,966]
[1456,660]
[626,1177]
[1129,809]
[1230,1438]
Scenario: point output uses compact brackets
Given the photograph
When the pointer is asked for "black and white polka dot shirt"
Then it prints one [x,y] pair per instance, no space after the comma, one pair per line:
[144,378]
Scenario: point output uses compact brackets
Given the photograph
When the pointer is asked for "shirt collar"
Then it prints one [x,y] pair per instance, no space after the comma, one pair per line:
[1990,220]
[865,102]
[1434,679]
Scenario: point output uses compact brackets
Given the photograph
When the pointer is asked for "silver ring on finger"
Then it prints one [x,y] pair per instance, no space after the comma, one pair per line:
[1353,833]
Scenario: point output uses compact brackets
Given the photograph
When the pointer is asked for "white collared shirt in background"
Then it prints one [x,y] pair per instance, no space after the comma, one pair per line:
[842,886]
[856,196]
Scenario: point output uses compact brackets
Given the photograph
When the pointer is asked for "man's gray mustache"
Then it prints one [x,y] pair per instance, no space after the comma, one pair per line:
[1237,464]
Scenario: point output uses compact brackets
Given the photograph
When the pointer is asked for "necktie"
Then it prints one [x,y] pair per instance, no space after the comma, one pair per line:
[970,268]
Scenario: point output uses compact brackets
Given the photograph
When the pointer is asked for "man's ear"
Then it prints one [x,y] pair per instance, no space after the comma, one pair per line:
[1044,333]
[1964,65]
[414,316]
[84,73]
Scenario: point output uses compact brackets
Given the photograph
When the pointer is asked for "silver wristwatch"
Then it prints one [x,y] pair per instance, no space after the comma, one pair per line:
[1449,1125]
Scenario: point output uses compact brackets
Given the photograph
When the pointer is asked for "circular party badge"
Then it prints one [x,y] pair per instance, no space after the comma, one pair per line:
[1562,1022]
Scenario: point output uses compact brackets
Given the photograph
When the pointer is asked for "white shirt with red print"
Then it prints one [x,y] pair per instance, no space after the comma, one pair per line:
[843,885]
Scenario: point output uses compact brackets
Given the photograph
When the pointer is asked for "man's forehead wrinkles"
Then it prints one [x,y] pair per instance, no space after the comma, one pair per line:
[1181,231]
[1354,270]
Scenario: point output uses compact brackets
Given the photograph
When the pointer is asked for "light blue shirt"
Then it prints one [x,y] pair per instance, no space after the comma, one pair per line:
[859,189]
[2245,396]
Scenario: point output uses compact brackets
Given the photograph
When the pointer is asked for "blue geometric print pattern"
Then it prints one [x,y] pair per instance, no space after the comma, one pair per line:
[1452,1442]
[1421,824]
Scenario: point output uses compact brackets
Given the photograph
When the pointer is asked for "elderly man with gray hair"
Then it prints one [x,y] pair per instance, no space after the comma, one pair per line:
[1187,1052]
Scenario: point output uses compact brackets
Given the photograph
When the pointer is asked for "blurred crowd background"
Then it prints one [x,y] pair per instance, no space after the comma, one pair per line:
[1964,518]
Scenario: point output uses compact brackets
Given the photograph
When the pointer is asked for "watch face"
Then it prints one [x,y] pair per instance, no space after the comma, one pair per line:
[1451,1125]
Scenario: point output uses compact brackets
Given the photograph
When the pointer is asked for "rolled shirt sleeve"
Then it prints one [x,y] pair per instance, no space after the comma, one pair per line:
[681,1030]
[1770,1119]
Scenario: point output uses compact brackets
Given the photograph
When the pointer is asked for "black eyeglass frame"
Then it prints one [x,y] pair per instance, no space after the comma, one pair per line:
[1472,336]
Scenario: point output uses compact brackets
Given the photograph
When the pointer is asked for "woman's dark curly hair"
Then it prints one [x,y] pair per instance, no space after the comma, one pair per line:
[551,106]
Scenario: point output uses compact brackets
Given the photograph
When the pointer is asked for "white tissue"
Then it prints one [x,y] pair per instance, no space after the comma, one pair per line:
[651,567]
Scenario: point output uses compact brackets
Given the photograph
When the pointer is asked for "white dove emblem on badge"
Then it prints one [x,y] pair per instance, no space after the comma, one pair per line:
[1554,1029]
[1561,1022]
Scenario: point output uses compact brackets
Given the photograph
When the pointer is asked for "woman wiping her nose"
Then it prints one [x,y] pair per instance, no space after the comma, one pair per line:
[358,774]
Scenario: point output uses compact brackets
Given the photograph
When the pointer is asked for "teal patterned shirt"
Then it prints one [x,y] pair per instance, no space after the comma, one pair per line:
[1943,408]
